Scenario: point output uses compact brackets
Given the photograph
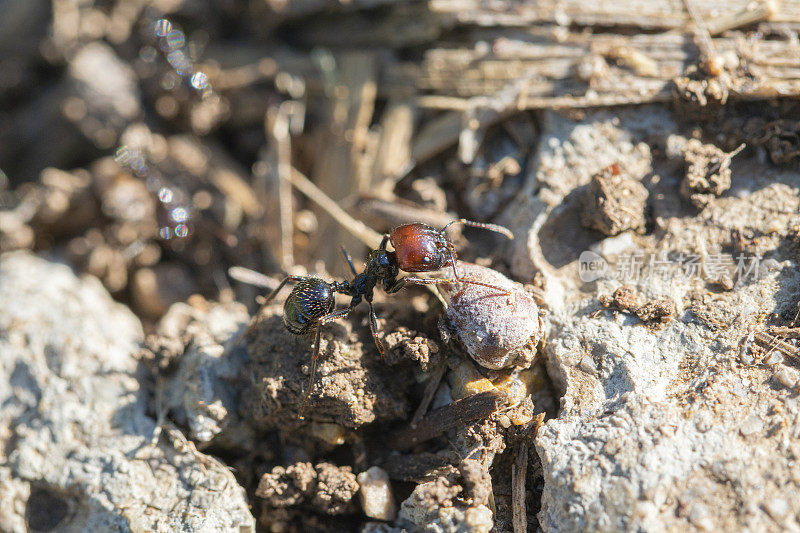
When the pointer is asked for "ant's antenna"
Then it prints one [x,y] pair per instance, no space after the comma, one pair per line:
[491,227]
[349,261]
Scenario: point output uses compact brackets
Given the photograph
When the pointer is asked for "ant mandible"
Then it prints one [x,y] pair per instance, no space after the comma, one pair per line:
[417,248]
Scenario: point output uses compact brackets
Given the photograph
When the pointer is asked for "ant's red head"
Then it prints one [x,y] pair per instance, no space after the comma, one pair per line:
[420,248]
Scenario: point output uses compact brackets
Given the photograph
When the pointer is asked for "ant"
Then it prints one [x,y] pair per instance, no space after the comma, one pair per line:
[417,248]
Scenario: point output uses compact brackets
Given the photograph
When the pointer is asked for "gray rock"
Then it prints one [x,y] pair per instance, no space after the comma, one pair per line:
[14,495]
[654,466]
[431,509]
[201,393]
[570,153]
[676,426]
[78,441]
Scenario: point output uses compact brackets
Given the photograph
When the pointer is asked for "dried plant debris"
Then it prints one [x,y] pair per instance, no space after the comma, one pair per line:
[700,90]
[781,138]
[627,300]
[614,202]
[708,172]
[456,414]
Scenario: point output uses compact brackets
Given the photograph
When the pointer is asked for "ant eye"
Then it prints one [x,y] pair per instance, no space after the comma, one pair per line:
[426,259]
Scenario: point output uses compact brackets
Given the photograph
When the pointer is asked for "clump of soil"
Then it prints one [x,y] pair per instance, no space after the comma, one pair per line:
[615,202]
[708,172]
[627,300]
[404,343]
[353,386]
[326,487]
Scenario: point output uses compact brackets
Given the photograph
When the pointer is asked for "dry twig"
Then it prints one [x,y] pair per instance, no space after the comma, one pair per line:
[518,473]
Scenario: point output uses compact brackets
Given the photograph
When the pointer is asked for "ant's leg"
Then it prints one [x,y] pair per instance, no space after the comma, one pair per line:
[402,282]
[491,227]
[313,374]
[349,261]
[453,260]
[462,280]
[330,317]
[336,315]
[396,286]
[373,326]
[435,281]
[286,280]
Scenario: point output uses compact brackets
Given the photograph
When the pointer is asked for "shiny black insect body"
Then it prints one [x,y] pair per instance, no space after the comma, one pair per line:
[310,301]
[417,248]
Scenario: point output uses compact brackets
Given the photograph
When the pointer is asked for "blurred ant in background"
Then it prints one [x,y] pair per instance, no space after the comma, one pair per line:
[417,248]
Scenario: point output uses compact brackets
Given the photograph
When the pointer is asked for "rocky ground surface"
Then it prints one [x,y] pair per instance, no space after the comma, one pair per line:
[640,372]
[683,425]
[80,451]
[685,418]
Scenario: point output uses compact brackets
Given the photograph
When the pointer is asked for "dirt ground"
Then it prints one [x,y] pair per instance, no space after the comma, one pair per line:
[156,145]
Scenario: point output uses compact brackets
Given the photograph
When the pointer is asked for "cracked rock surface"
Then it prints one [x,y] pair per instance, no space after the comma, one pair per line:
[688,425]
[77,451]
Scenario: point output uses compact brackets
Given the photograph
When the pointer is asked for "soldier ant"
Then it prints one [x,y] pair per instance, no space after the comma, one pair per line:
[417,248]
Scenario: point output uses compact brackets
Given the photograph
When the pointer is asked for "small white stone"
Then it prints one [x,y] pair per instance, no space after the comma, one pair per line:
[752,424]
[698,516]
[375,493]
[697,513]
[786,376]
[777,508]
[479,518]
[705,421]
[588,366]
[614,245]
[774,358]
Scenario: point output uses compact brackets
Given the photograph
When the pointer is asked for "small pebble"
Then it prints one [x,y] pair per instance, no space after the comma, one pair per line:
[739,389]
[698,513]
[504,421]
[786,377]
[588,366]
[704,421]
[774,359]
[333,434]
[777,508]
[479,518]
[752,424]
[375,493]
[699,517]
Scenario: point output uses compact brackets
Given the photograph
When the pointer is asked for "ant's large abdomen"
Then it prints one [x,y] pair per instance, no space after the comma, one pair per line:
[310,300]
[419,248]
